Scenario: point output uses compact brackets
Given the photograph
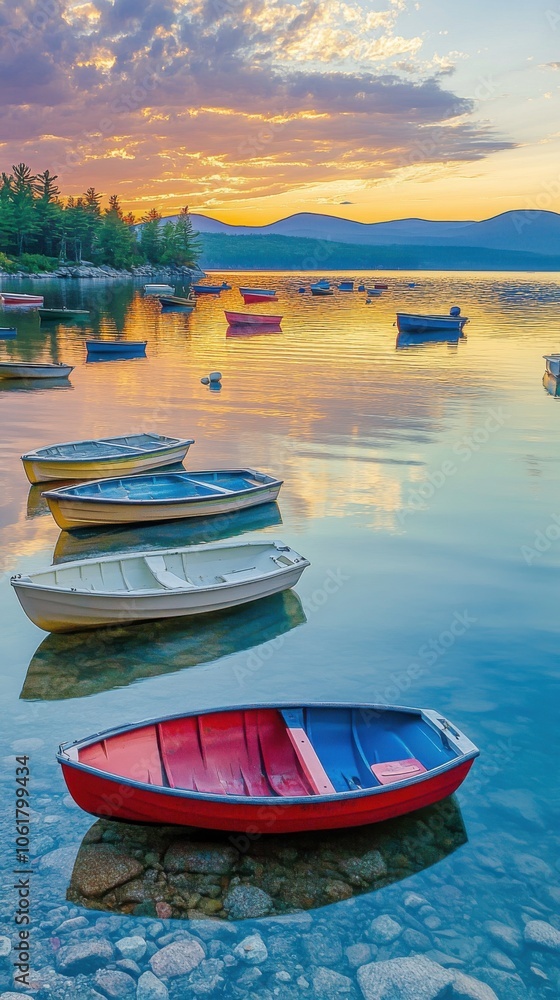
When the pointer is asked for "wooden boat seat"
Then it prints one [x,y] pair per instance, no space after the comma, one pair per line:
[169,580]
[238,575]
[397,770]
[305,751]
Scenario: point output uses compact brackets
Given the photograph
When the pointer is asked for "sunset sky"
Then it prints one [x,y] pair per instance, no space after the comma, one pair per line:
[250,111]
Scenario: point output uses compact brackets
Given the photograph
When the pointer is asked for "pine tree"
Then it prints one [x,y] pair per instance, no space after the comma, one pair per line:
[49,213]
[151,237]
[187,242]
[22,198]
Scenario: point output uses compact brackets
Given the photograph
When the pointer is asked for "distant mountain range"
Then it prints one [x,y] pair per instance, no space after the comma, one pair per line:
[521,240]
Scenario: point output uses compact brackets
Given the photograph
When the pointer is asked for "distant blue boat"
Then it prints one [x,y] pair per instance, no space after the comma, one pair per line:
[211,289]
[124,348]
[346,286]
[7,331]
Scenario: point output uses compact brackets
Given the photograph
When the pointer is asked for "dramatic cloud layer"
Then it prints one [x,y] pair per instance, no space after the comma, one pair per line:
[221,100]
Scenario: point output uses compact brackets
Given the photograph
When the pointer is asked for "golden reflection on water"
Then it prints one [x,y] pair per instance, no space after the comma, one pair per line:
[330,404]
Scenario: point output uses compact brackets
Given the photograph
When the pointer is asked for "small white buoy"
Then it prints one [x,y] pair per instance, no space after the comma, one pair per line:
[205,380]
[215,376]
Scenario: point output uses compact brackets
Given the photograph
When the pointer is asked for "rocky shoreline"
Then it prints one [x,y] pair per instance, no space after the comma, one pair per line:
[104,271]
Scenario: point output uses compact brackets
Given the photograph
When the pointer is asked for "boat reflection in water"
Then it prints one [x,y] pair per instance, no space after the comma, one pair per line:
[71,666]
[189,874]
[551,384]
[450,337]
[253,329]
[34,384]
[86,542]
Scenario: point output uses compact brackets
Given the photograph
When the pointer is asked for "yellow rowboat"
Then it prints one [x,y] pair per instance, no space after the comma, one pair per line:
[104,457]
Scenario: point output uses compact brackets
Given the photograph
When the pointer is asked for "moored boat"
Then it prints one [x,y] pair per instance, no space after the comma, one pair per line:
[186,301]
[552,364]
[417,323]
[321,289]
[126,348]
[64,313]
[7,332]
[161,497]
[102,458]
[267,292]
[251,319]
[346,286]
[155,289]
[211,289]
[20,299]
[167,583]
[29,369]
[250,298]
[270,769]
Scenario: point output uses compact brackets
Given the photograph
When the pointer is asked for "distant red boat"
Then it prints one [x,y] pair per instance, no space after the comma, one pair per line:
[251,297]
[251,319]
[270,769]
[381,287]
[19,299]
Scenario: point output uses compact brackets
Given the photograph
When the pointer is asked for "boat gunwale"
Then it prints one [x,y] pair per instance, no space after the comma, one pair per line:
[36,455]
[282,801]
[64,492]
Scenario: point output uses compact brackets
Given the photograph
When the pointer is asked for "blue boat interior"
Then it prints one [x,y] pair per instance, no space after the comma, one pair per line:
[348,741]
[108,447]
[174,486]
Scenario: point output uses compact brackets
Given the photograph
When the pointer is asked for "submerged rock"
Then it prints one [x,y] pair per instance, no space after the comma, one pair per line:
[177,958]
[101,867]
[132,947]
[540,934]
[384,929]
[87,956]
[186,856]
[115,984]
[244,901]
[404,979]
[328,985]
[151,988]
[468,988]
[251,950]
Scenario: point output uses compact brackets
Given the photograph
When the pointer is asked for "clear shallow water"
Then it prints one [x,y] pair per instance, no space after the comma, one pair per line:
[423,479]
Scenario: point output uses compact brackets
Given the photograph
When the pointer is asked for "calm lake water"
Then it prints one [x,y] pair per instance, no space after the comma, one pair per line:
[424,481]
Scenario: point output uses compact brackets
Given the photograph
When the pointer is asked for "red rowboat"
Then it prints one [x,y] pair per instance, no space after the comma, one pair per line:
[252,319]
[270,769]
[19,299]
[251,297]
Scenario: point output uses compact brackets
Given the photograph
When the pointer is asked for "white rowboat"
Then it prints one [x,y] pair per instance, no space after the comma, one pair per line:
[169,583]
[27,369]
[161,497]
[104,457]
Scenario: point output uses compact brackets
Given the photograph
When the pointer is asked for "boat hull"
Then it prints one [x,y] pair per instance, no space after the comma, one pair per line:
[132,347]
[63,611]
[59,314]
[252,319]
[409,323]
[266,293]
[107,797]
[35,371]
[43,471]
[250,298]
[552,364]
[71,512]
[19,299]
[318,292]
